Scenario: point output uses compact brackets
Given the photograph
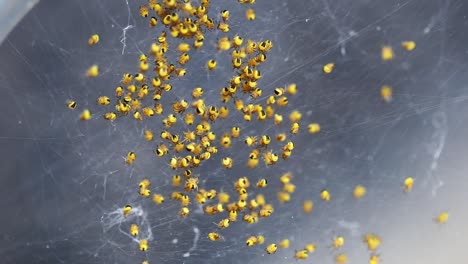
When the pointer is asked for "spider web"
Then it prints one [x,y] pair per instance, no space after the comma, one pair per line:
[65,182]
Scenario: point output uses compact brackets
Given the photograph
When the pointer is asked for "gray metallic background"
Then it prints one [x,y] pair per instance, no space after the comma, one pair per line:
[63,180]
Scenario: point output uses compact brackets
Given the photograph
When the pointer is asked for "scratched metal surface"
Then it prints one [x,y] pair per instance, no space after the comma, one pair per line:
[63,181]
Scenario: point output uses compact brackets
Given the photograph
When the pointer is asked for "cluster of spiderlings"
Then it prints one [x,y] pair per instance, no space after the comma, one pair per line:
[189,23]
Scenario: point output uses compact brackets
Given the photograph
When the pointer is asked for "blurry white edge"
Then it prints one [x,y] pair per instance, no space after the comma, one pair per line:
[11,12]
